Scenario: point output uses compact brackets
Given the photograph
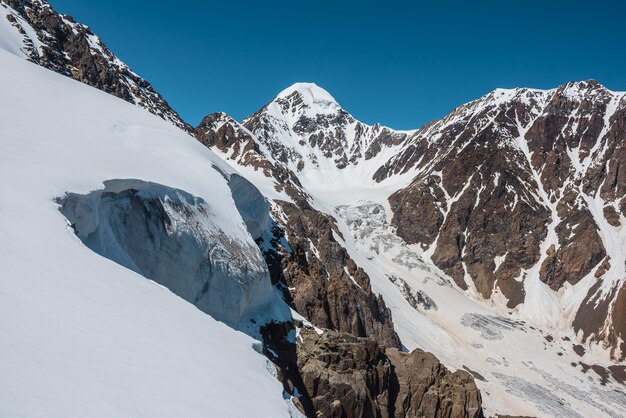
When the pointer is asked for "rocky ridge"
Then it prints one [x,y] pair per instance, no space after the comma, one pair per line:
[59,43]
[348,376]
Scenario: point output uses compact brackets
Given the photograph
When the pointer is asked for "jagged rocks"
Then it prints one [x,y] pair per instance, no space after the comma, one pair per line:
[323,283]
[224,133]
[427,388]
[72,49]
[345,376]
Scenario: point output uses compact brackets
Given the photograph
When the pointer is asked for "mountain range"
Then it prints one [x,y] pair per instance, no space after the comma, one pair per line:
[364,263]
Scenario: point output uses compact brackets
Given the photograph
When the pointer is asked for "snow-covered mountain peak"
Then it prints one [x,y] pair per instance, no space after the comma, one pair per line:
[306,130]
[311,96]
[582,86]
[516,198]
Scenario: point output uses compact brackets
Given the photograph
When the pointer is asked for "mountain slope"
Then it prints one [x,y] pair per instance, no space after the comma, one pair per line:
[59,43]
[115,224]
[83,335]
[550,197]
[454,225]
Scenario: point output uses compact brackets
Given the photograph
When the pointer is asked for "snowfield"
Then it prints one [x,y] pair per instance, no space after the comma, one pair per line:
[82,335]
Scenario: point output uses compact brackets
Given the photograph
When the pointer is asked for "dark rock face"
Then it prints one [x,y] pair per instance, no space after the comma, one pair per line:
[72,49]
[345,376]
[475,208]
[427,388]
[509,208]
[222,133]
[325,285]
[498,176]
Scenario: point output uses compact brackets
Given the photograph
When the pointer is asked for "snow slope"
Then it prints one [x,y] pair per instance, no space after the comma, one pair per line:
[34,30]
[82,335]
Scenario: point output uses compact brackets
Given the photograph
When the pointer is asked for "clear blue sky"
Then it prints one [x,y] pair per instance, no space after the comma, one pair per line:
[401,64]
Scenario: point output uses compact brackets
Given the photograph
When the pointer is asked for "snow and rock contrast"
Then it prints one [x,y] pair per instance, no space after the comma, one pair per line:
[59,43]
[519,197]
[116,223]
[83,335]
[493,235]
[344,252]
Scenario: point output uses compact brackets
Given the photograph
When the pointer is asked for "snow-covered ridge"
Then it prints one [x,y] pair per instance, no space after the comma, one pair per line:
[116,344]
[304,130]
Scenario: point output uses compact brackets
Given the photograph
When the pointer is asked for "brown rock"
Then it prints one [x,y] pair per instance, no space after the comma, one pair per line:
[350,377]
[427,389]
[603,268]
[326,286]
[611,216]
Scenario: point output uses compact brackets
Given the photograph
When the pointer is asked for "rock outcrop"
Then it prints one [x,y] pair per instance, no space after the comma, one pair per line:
[345,376]
[322,282]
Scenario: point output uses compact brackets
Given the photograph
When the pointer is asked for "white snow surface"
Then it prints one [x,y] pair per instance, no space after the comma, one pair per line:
[313,95]
[82,335]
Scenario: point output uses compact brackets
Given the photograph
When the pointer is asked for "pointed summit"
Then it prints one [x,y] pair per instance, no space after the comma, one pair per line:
[311,90]
[311,95]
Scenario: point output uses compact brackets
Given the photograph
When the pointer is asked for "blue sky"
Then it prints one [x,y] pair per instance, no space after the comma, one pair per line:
[399,63]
